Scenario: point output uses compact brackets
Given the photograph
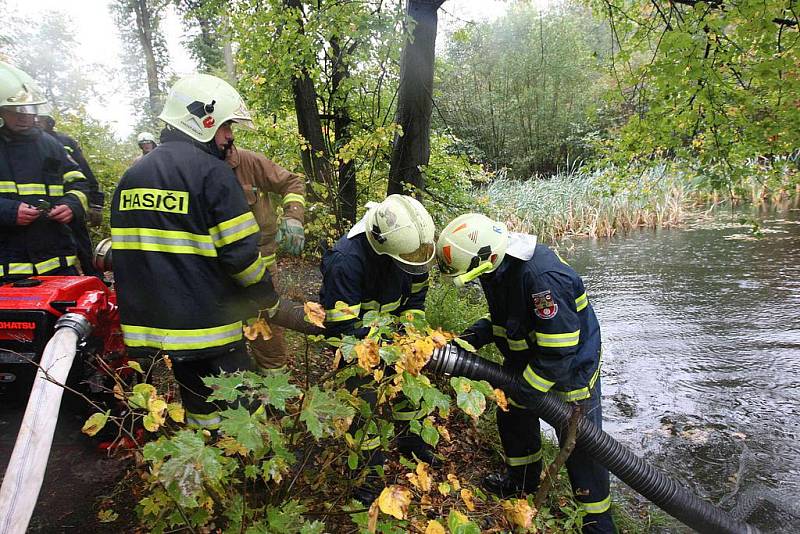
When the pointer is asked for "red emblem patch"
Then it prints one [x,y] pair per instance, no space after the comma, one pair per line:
[208,122]
[544,305]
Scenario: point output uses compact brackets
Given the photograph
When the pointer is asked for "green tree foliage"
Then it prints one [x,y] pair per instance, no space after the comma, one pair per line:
[715,83]
[526,90]
[206,23]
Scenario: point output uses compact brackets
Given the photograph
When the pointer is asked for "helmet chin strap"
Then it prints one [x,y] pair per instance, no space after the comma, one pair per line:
[469,276]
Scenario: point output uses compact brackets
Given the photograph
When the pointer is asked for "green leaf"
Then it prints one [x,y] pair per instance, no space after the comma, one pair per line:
[133,364]
[429,433]
[464,344]
[352,461]
[316,527]
[277,390]
[319,411]
[246,428]
[95,423]
[224,388]
[468,396]
[141,395]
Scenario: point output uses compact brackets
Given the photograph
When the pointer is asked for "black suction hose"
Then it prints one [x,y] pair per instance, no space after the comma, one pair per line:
[290,315]
[664,492]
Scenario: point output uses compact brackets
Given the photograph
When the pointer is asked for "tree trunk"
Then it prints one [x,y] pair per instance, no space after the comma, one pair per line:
[415,99]
[346,206]
[144,31]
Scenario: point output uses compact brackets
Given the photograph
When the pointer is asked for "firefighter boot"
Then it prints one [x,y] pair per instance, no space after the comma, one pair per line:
[411,445]
[510,483]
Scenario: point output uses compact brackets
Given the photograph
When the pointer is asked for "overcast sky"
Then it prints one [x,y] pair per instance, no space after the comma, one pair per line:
[100,44]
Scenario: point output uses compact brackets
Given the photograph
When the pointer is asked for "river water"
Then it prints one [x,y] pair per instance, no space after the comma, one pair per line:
[701,333]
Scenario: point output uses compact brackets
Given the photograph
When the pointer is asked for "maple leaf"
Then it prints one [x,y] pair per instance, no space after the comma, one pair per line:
[519,512]
[368,355]
[394,501]
[258,328]
[314,313]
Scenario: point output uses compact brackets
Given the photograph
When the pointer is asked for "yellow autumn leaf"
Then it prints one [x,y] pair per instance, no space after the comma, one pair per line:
[434,527]
[421,479]
[444,488]
[377,374]
[394,501]
[440,338]
[458,518]
[133,364]
[519,512]
[467,496]
[337,359]
[150,423]
[167,361]
[258,328]
[453,480]
[500,399]
[176,412]
[368,355]
[315,313]
[95,423]
[443,432]
[231,447]
[119,394]
[372,524]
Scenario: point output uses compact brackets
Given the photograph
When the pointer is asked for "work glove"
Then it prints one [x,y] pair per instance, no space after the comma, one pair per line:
[95,216]
[291,235]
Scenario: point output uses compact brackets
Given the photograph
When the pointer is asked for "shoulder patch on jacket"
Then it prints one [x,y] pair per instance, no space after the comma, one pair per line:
[544,305]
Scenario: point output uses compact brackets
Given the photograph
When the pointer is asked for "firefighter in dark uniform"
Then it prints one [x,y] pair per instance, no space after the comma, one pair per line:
[381,264]
[542,322]
[186,262]
[96,198]
[41,188]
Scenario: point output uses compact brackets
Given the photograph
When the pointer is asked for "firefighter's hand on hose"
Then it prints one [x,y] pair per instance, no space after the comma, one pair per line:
[291,235]
[61,214]
[26,214]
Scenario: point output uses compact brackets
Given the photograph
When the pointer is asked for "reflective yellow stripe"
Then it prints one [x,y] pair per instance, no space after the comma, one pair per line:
[419,286]
[175,339]
[82,197]
[270,260]
[513,344]
[31,189]
[153,240]
[209,421]
[2,271]
[8,187]
[68,149]
[516,461]
[392,306]
[347,313]
[294,197]
[581,302]
[536,381]
[567,339]
[252,273]
[56,190]
[371,305]
[233,230]
[54,263]
[20,268]
[597,507]
[581,393]
[73,176]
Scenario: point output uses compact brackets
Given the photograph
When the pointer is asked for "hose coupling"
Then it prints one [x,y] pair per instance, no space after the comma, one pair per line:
[76,322]
[443,360]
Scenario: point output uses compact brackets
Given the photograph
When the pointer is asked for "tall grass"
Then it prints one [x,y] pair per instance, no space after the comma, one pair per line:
[588,203]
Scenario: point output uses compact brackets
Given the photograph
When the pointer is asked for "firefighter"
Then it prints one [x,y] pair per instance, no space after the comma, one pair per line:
[83,242]
[186,261]
[542,322]
[41,188]
[147,143]
[381,264]
[258,177]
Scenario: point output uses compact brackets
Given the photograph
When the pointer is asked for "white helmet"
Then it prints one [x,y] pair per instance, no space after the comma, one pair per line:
[401,228]
[471,245]
[45,110]
[146,137]
[199,104]
[18,90]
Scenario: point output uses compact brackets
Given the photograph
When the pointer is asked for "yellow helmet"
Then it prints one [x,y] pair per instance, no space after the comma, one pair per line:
[199,104]
[402,228]
[471,245]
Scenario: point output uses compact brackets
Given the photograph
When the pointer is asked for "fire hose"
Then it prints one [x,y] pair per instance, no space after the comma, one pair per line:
[661,490]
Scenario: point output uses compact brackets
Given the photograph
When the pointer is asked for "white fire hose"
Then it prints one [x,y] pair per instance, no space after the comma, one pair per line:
[25,471]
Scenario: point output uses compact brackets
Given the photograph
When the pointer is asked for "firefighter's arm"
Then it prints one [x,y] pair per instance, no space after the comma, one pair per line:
[96,197]
[557,329]
[234,231]
[342,275]
[9,211]
[416,301]
[480,333]
[290,186]
[76,188]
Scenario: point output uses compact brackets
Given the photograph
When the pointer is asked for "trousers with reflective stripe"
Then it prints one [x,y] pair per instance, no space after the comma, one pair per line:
[520,434]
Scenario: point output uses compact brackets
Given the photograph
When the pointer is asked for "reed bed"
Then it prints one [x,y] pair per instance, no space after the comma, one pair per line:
[590,203]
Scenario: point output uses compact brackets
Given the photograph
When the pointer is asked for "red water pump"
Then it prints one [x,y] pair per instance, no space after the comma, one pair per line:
[29,311]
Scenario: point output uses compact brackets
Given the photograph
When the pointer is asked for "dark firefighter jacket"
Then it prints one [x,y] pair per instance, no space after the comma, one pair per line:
[541,320]
[360,280]
[96,197]
[34,168]
[186,260]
